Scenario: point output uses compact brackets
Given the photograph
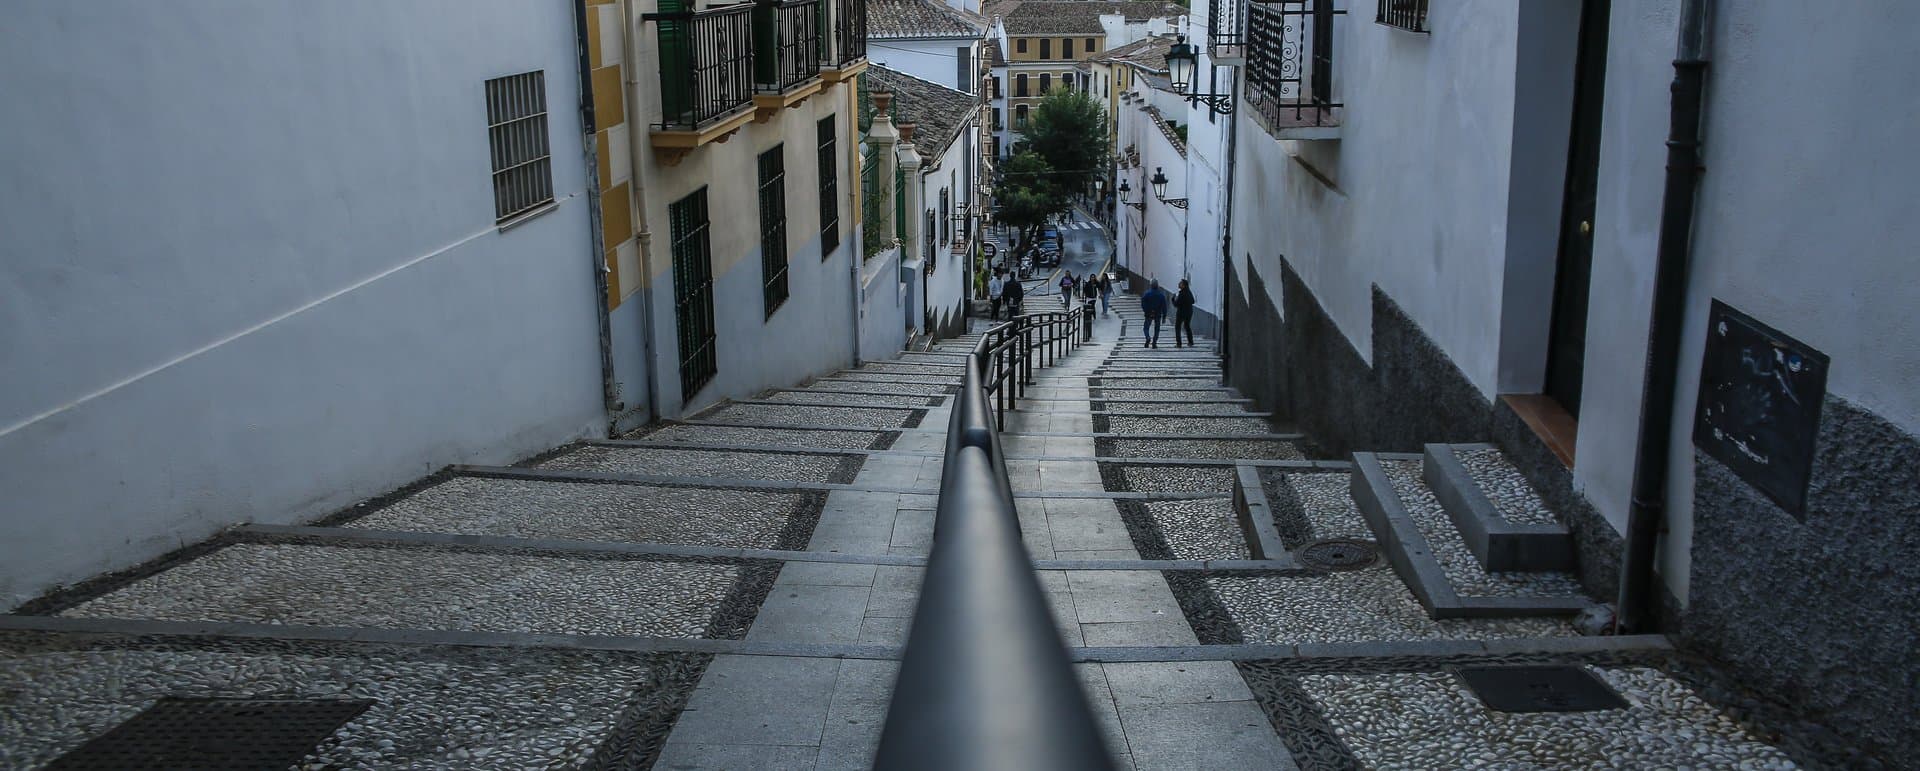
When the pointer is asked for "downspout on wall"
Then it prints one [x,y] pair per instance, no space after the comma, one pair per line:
[1646,517]
[609,394]
[637,184]
[1226,225]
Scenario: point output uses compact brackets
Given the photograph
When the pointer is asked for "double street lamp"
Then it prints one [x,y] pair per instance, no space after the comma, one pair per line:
[1159,184]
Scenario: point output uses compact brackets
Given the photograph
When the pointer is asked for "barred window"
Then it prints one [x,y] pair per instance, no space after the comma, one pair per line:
[693,292]
[517,133]
[1410,15]
[829,160]
[773,227]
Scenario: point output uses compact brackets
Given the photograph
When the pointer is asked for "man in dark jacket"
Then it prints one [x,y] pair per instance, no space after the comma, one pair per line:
[1153,305]
[1015,293]
[1183,314]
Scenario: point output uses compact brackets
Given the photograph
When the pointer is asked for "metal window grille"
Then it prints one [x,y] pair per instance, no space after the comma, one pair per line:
[693,292]
[829,160]
[517,133]
[900,204]
[773,227]
[1227,25]
[1290,61]
[946,220]
[786,44]
[1410,15]
[706,64]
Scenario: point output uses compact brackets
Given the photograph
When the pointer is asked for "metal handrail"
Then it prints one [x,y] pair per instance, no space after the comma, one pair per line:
[986,681]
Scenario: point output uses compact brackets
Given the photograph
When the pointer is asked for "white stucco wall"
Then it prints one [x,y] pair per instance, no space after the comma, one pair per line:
[947,287]
[931,59]
[251,271]
[1806,223]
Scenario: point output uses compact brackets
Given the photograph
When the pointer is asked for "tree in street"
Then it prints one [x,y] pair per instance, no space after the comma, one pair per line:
[1069,132]
[1028,195]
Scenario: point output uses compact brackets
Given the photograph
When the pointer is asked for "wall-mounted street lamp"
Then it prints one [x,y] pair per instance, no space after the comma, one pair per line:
[1126,192]
[1181,62]
[1159,183]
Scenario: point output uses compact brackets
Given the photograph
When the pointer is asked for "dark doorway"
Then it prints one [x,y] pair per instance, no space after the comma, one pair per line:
[1567,342]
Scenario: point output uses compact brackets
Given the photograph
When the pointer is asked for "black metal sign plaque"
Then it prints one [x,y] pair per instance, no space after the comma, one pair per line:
[1759,409]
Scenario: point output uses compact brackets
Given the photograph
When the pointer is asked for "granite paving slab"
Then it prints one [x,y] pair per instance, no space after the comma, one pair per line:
[428,589]
[432,708]
[626,513]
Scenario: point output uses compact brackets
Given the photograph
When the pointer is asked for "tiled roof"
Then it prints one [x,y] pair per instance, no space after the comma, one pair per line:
[1149,52]
[1079,17]
[895,19]
[937,112]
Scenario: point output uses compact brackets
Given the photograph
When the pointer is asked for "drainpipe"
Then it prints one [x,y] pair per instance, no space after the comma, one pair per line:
[1646,517]
[644,239]
[609,395]
[1226,226]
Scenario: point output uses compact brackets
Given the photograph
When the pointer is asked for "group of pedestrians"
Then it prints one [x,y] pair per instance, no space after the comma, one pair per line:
[1154,304]
[1087,287]
[1004,289]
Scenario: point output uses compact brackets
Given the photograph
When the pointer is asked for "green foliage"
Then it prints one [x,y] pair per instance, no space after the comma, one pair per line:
[1069,131]
[1029,193]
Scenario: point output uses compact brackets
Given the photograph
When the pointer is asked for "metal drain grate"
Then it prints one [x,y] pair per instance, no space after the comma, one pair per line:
[1540,689]
[215,735]
[1336,554]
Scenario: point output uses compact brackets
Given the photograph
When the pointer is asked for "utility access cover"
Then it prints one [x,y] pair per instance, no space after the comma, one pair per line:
[1336,554]
[215,735]
[1540,689]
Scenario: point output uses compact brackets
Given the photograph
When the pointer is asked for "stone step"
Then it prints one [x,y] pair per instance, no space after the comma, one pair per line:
[1432,558]
[1182,425]
[1502,520]
[801,415]
[679,432]
[834,385]
[845,399]
[1198,408]
[866,376]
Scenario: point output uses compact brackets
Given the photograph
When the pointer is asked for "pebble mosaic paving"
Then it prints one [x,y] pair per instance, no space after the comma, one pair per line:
[1204,449]
[427,589]
[1427,720]
[876,387]
[797,415]
[583,511]
[769,437]
[851,400]
[1136,425]
[1503,485]
[1202,529]
[677,462]
[432,708]
[1463,570]
[1179,394]
[1313,506]
[1194,408]
[1176,479]
[1157,382]
[1354,606]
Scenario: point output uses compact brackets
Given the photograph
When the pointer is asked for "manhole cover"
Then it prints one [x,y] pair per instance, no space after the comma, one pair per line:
[215,734]
[1540,689]
[1338,554]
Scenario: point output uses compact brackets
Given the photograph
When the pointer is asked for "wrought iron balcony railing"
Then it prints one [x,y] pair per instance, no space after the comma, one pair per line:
[1227,29]
[1290,63]
[1410,15]
[706,65]
[850,31]
[786,44]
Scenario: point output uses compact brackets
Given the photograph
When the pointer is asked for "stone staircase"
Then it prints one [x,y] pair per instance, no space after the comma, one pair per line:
[731,590]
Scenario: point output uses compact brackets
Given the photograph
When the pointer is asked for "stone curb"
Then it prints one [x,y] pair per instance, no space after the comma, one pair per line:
[1255,515]
[1498,544]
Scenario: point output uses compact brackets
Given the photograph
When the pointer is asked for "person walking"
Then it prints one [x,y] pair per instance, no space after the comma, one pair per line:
[1066,289]
[1153,305]
[1106,294]
[1015,293]
[1183,314]
[994,287]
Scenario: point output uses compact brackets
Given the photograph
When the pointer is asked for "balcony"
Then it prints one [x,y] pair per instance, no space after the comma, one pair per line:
[848,56]
[1289,71]
[787,47]
[1227,32]
[706,77]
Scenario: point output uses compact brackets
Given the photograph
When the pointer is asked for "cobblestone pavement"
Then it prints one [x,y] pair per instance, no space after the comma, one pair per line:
[731,592]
